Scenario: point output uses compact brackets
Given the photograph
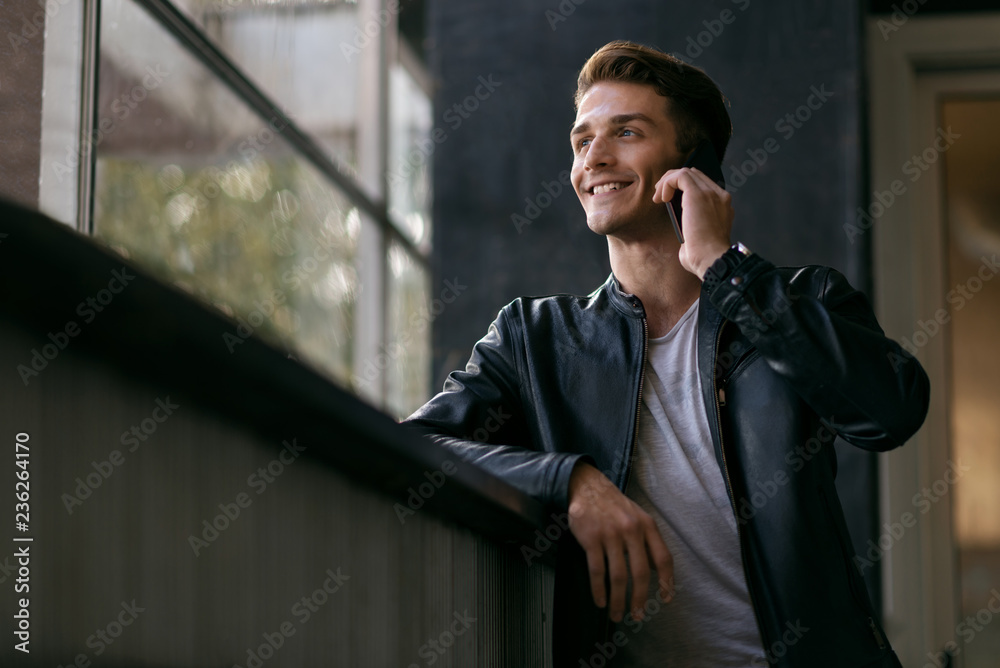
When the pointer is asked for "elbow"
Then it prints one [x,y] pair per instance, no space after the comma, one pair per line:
[908,413]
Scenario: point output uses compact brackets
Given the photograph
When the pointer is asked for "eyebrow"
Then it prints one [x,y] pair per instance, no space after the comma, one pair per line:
[620,119]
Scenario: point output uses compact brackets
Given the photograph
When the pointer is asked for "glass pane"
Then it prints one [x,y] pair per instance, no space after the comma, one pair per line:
[973,219]
[411,150]
[58,180]
[299,52]
[201,191]
[407,354]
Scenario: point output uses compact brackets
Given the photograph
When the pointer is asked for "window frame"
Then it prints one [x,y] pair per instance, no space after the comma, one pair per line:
[368,191]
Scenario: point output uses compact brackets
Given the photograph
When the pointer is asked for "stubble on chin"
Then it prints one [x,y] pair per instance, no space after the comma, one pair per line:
[603,222]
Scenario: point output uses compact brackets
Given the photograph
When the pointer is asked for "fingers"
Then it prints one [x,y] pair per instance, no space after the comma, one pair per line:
[707,218]
[617,537]
[595,566]
[665,188]
[611,562]
[663,561]
[618,579]
[685,179]
[639,563]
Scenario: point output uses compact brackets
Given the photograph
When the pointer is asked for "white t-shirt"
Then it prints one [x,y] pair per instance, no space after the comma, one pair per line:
[676,479]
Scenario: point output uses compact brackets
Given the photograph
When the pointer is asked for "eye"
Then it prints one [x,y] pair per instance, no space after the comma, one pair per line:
[627,132]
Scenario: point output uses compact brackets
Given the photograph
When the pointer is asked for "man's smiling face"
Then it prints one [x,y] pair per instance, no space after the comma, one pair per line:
[623,142]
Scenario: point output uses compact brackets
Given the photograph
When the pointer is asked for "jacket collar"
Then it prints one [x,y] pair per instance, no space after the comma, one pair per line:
[628,304]
[631,305]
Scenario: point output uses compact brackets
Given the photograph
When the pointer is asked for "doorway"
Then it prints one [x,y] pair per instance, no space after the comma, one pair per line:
[972,222]
[935,101]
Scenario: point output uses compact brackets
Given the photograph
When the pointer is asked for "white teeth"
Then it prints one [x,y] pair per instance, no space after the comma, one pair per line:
[608,186]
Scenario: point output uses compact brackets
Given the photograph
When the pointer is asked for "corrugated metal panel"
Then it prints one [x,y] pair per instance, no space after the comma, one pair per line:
[417,592]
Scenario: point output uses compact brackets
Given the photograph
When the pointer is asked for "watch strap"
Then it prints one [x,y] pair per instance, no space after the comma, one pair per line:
[724,266]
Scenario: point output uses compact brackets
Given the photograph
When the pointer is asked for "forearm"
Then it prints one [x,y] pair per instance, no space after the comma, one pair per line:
[544,476]
[481,418]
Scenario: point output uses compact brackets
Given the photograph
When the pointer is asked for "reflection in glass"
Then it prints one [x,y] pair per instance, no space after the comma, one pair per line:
[206,194]
[407,354]
[411,151]
[301,52]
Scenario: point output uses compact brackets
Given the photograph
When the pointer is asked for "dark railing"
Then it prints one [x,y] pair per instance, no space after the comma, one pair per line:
[233,496]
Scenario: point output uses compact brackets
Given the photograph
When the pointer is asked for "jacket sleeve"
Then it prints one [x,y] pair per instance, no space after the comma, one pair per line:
[480,417]
[821,335]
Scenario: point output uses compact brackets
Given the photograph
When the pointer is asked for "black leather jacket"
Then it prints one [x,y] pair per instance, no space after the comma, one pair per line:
[787,356]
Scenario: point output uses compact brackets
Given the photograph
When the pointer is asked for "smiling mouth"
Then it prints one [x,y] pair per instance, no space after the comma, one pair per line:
[609,187]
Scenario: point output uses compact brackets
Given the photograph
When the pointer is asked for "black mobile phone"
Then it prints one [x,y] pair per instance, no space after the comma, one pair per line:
[704,160]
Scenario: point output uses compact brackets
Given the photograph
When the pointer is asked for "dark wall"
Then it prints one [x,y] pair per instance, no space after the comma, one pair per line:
[768,59]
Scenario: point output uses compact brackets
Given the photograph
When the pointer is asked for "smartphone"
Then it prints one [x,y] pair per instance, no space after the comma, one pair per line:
[704,160]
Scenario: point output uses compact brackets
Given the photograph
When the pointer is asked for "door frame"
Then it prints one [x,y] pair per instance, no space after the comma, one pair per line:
[909,68]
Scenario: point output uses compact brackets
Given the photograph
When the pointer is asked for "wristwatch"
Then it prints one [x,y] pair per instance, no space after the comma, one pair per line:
[721,268]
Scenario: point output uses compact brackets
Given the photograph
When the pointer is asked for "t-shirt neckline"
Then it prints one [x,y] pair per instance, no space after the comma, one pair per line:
[677,325]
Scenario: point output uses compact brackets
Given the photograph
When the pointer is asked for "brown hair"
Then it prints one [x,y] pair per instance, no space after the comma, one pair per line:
[694,102]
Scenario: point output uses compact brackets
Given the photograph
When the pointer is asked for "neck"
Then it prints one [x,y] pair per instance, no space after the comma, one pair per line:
[648,268]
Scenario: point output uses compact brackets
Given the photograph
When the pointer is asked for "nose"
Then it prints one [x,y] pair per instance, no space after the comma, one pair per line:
[599,154]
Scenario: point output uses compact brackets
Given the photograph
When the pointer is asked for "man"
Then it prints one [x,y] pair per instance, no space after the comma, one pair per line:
[684,413]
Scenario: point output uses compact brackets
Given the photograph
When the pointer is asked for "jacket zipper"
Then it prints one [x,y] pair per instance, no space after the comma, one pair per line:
[638,403]
[747,355]
[852,580]
[876,633]
[720,400]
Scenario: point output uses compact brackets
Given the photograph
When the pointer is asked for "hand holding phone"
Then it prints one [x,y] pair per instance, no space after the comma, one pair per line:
[704,160]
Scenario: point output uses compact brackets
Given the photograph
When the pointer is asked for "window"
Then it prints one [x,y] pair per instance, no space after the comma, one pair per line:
[258,154]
